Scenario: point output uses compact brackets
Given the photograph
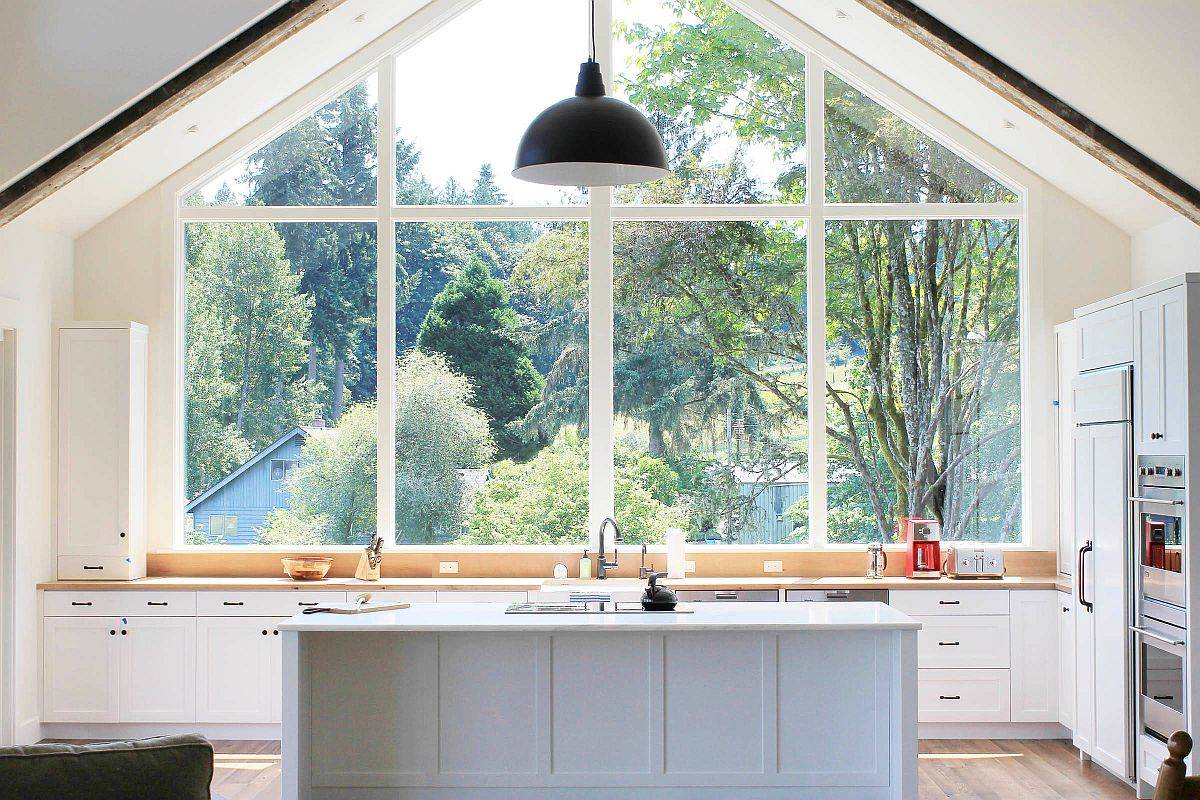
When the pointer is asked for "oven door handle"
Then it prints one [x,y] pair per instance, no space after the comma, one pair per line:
[1138,499]
[1157,636]
[1082,573]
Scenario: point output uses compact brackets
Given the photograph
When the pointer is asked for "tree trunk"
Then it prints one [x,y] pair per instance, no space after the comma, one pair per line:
[658,442]
[338,404]
[312,363]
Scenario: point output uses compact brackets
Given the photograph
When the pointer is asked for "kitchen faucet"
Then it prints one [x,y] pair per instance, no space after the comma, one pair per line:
[602,564]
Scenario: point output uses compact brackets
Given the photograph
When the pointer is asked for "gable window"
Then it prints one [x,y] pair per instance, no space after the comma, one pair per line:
[811,328]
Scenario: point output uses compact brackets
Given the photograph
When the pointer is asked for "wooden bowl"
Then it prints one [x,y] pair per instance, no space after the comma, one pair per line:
[307,568]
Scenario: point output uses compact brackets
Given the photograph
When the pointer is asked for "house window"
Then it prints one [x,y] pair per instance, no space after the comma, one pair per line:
[811,328]
[222,528]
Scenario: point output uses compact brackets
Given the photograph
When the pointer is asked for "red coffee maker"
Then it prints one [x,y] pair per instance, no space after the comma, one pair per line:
[923,546]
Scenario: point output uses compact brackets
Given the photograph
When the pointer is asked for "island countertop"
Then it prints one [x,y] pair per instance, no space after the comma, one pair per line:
[491,617]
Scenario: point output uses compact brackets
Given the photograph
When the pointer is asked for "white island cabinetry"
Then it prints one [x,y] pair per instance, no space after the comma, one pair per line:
[748,700]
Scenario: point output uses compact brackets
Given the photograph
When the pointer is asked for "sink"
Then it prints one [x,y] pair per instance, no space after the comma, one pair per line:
[620,590]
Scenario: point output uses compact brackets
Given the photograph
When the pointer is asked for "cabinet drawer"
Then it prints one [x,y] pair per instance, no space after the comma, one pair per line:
[119,604]
[973,642]
[262,604]
[962,695]
[463,596]
[923,602]
[100,568]
[1150,756]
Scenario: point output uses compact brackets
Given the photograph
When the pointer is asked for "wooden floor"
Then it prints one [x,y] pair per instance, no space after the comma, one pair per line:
[977,769]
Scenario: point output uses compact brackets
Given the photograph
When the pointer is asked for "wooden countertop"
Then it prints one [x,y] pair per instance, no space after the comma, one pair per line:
[534,584]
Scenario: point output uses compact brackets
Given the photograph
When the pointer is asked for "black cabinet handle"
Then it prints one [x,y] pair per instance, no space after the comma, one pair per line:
[302,603]
[264,633]
[947,644]
[1082,573]
[1156,436]
[949,697]
[238,603]
[949,602]
[85,566]
[152,603]
[112,633]
[74,603]
[1164,697]
[124,633]
[122,534]
[275,632]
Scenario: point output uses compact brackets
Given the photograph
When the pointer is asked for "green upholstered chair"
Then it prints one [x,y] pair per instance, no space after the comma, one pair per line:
[163,768]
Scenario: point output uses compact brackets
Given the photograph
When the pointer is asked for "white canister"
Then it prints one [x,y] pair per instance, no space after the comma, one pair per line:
[676,560]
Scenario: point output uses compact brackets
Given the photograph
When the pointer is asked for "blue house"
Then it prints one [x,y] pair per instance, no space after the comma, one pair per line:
[234,508]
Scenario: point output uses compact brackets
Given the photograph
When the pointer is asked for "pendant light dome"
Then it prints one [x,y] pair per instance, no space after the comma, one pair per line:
[590,139]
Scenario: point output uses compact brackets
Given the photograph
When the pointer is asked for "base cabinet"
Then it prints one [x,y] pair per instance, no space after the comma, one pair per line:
[82,663]
[1035,670]
[1066,660]
[238,669]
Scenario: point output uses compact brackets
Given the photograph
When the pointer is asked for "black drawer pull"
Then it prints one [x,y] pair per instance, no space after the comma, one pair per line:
[947,644]
[152,603]
[1164,697]
[112,633]
[264,633]
[949,697]
[726,595]
[85,566]
[303,603]
[949,602]
[124,633]
[122,534]
[238,603]
[74,603]
[275,632]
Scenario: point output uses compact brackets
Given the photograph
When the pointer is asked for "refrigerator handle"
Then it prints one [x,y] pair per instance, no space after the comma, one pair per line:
[1081,574]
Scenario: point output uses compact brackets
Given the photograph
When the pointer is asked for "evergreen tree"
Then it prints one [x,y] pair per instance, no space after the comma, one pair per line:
[471,322]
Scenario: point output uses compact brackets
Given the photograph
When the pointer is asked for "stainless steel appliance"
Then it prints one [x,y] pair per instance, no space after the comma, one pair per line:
[876,561]
[727,595]
[974,562]
[1161,637]
[1159,535]
[837,595]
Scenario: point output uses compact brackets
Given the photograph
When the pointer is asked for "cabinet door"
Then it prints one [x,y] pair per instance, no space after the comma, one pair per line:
[81,669]
[93,442]
[1066,661]
[158,669]
[233,669]
[1160,391]
[1067,365]
[1033,631]
[1106,337]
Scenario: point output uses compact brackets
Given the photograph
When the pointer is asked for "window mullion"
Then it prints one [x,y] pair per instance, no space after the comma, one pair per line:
[385,323]
[818,468]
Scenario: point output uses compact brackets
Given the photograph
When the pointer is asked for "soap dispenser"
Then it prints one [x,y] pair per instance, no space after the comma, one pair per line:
[585,566]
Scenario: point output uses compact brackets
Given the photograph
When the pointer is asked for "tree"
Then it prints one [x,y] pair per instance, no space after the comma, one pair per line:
[472,324]
[246,325]
[438,435]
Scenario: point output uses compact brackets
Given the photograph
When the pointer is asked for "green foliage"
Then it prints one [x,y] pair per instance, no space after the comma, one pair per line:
[472,323]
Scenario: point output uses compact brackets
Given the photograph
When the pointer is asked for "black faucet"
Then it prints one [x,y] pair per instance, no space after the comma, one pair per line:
[602,564]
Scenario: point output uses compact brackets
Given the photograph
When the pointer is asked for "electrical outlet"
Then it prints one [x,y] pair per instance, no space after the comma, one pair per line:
[772,566]
[448,567]
[689,566]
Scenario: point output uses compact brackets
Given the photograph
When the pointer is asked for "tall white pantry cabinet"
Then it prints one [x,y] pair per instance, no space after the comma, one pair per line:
[101,450]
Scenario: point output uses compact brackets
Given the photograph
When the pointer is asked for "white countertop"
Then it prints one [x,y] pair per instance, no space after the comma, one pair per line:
[485,617]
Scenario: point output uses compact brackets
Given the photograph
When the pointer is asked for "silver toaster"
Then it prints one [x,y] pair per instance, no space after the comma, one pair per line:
[974,562]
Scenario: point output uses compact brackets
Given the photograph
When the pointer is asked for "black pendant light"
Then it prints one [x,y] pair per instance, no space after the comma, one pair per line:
[590,139]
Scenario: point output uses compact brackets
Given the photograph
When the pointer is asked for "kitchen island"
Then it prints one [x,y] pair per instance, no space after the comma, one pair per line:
[754,701]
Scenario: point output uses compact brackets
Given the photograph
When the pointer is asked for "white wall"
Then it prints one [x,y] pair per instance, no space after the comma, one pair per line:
[35,271]
[1166,250]
[66,65]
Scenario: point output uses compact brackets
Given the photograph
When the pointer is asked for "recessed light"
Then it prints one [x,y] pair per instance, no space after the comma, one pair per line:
[192,129]
[361,18]
[839,14]
[1008,124]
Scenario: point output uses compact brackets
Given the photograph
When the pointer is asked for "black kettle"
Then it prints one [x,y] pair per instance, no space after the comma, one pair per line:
[658,598]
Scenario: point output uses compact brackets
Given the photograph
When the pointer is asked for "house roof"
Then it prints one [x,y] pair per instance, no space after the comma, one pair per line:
[299,430]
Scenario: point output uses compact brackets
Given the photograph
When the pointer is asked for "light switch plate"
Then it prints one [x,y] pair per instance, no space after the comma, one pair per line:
[448,567]
[689,566]
[772,566]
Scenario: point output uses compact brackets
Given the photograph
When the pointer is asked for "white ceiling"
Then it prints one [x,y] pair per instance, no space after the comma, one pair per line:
[1131,65]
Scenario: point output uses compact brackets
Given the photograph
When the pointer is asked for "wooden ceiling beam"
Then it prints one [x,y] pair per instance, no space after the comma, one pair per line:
[159,104]
[1077,128]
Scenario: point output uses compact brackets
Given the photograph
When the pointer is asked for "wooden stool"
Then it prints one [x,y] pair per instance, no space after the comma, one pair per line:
[1172,784]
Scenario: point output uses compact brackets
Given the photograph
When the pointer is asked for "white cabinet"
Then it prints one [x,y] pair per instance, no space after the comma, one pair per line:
[1066,661]
[468,596]
[1033,619]
[1101,625]
[158,669]
[102,450]
[1106,337]
[1066,338]
[237,669]
[81,669]
[963,695]
[978,642]
[1160,372]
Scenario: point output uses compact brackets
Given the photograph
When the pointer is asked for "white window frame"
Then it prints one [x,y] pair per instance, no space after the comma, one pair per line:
[820,54]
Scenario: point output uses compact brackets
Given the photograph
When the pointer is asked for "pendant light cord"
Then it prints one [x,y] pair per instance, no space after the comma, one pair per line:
[593,56]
